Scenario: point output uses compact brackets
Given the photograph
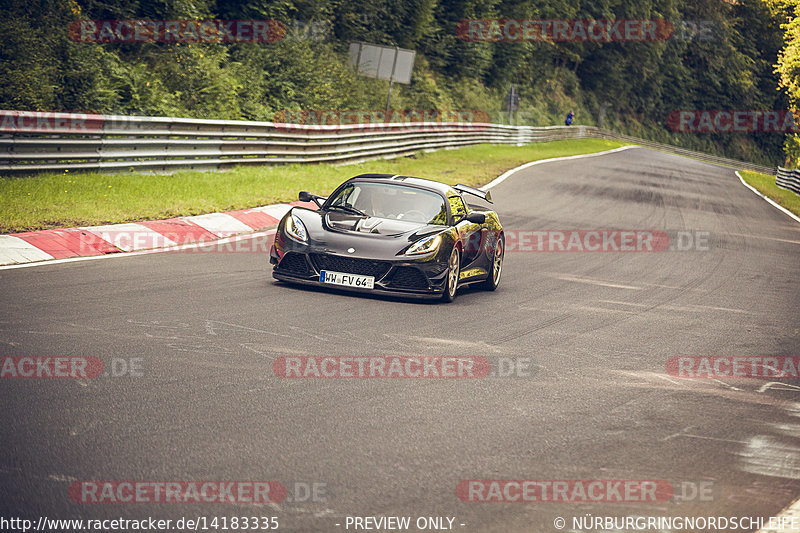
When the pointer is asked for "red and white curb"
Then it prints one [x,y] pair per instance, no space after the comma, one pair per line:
[20,249]
[121,240]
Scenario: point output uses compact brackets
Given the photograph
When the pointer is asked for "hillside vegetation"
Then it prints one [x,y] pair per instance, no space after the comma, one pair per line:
[720,55]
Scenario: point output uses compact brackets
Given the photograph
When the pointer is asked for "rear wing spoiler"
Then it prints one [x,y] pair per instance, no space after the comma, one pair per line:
[484,195]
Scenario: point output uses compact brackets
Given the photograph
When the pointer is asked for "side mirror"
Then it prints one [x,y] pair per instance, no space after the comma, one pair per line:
[306,196]
[475,218]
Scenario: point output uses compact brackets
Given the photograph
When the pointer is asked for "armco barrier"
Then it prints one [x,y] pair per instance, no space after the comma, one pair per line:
[32,142]
[788,179]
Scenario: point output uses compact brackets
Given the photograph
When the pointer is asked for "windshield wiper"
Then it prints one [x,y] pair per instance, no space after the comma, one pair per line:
[348,209]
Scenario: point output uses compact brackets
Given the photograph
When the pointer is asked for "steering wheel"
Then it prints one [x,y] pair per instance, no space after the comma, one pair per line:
[408,214]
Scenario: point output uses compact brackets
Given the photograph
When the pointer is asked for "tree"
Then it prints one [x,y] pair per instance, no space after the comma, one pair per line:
[788,68]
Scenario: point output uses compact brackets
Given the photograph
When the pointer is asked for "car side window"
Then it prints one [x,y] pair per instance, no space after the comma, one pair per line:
[441,216]
[457,207]
[345,197]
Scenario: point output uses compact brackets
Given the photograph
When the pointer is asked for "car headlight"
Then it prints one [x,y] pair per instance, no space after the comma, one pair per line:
[296,229]
[424,246]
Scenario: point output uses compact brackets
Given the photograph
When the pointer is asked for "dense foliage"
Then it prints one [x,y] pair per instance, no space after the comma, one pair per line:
[722,55]
[788,68]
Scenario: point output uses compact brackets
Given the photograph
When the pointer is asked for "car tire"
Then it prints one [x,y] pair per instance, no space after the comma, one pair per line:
[453,271]
[498,254]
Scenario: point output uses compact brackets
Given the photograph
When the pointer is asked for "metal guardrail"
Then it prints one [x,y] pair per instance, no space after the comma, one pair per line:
[53,142]
[788,179]
[156,144]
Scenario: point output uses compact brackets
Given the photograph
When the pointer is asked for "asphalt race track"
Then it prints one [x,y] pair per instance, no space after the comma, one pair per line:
[203,330]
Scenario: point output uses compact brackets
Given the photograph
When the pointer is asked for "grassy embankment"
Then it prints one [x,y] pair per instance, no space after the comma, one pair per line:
[86,199]
[765,184]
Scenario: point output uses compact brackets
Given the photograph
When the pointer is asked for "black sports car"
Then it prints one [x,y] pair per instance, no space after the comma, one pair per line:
[381,233]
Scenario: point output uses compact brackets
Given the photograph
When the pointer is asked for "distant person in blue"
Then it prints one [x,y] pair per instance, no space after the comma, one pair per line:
[570,116]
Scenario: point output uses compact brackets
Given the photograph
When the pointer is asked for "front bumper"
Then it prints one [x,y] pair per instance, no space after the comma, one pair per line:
[411,277]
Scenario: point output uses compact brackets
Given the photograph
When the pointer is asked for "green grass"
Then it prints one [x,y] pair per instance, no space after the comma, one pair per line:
[87,199]
[765,184]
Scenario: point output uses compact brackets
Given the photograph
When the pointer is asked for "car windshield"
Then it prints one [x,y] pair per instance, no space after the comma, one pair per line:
[392,201]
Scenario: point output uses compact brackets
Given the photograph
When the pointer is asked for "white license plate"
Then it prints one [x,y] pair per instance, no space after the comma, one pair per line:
[348,280]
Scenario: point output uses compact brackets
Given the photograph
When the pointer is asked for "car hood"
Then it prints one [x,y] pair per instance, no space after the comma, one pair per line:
[348,223]
[371,236]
